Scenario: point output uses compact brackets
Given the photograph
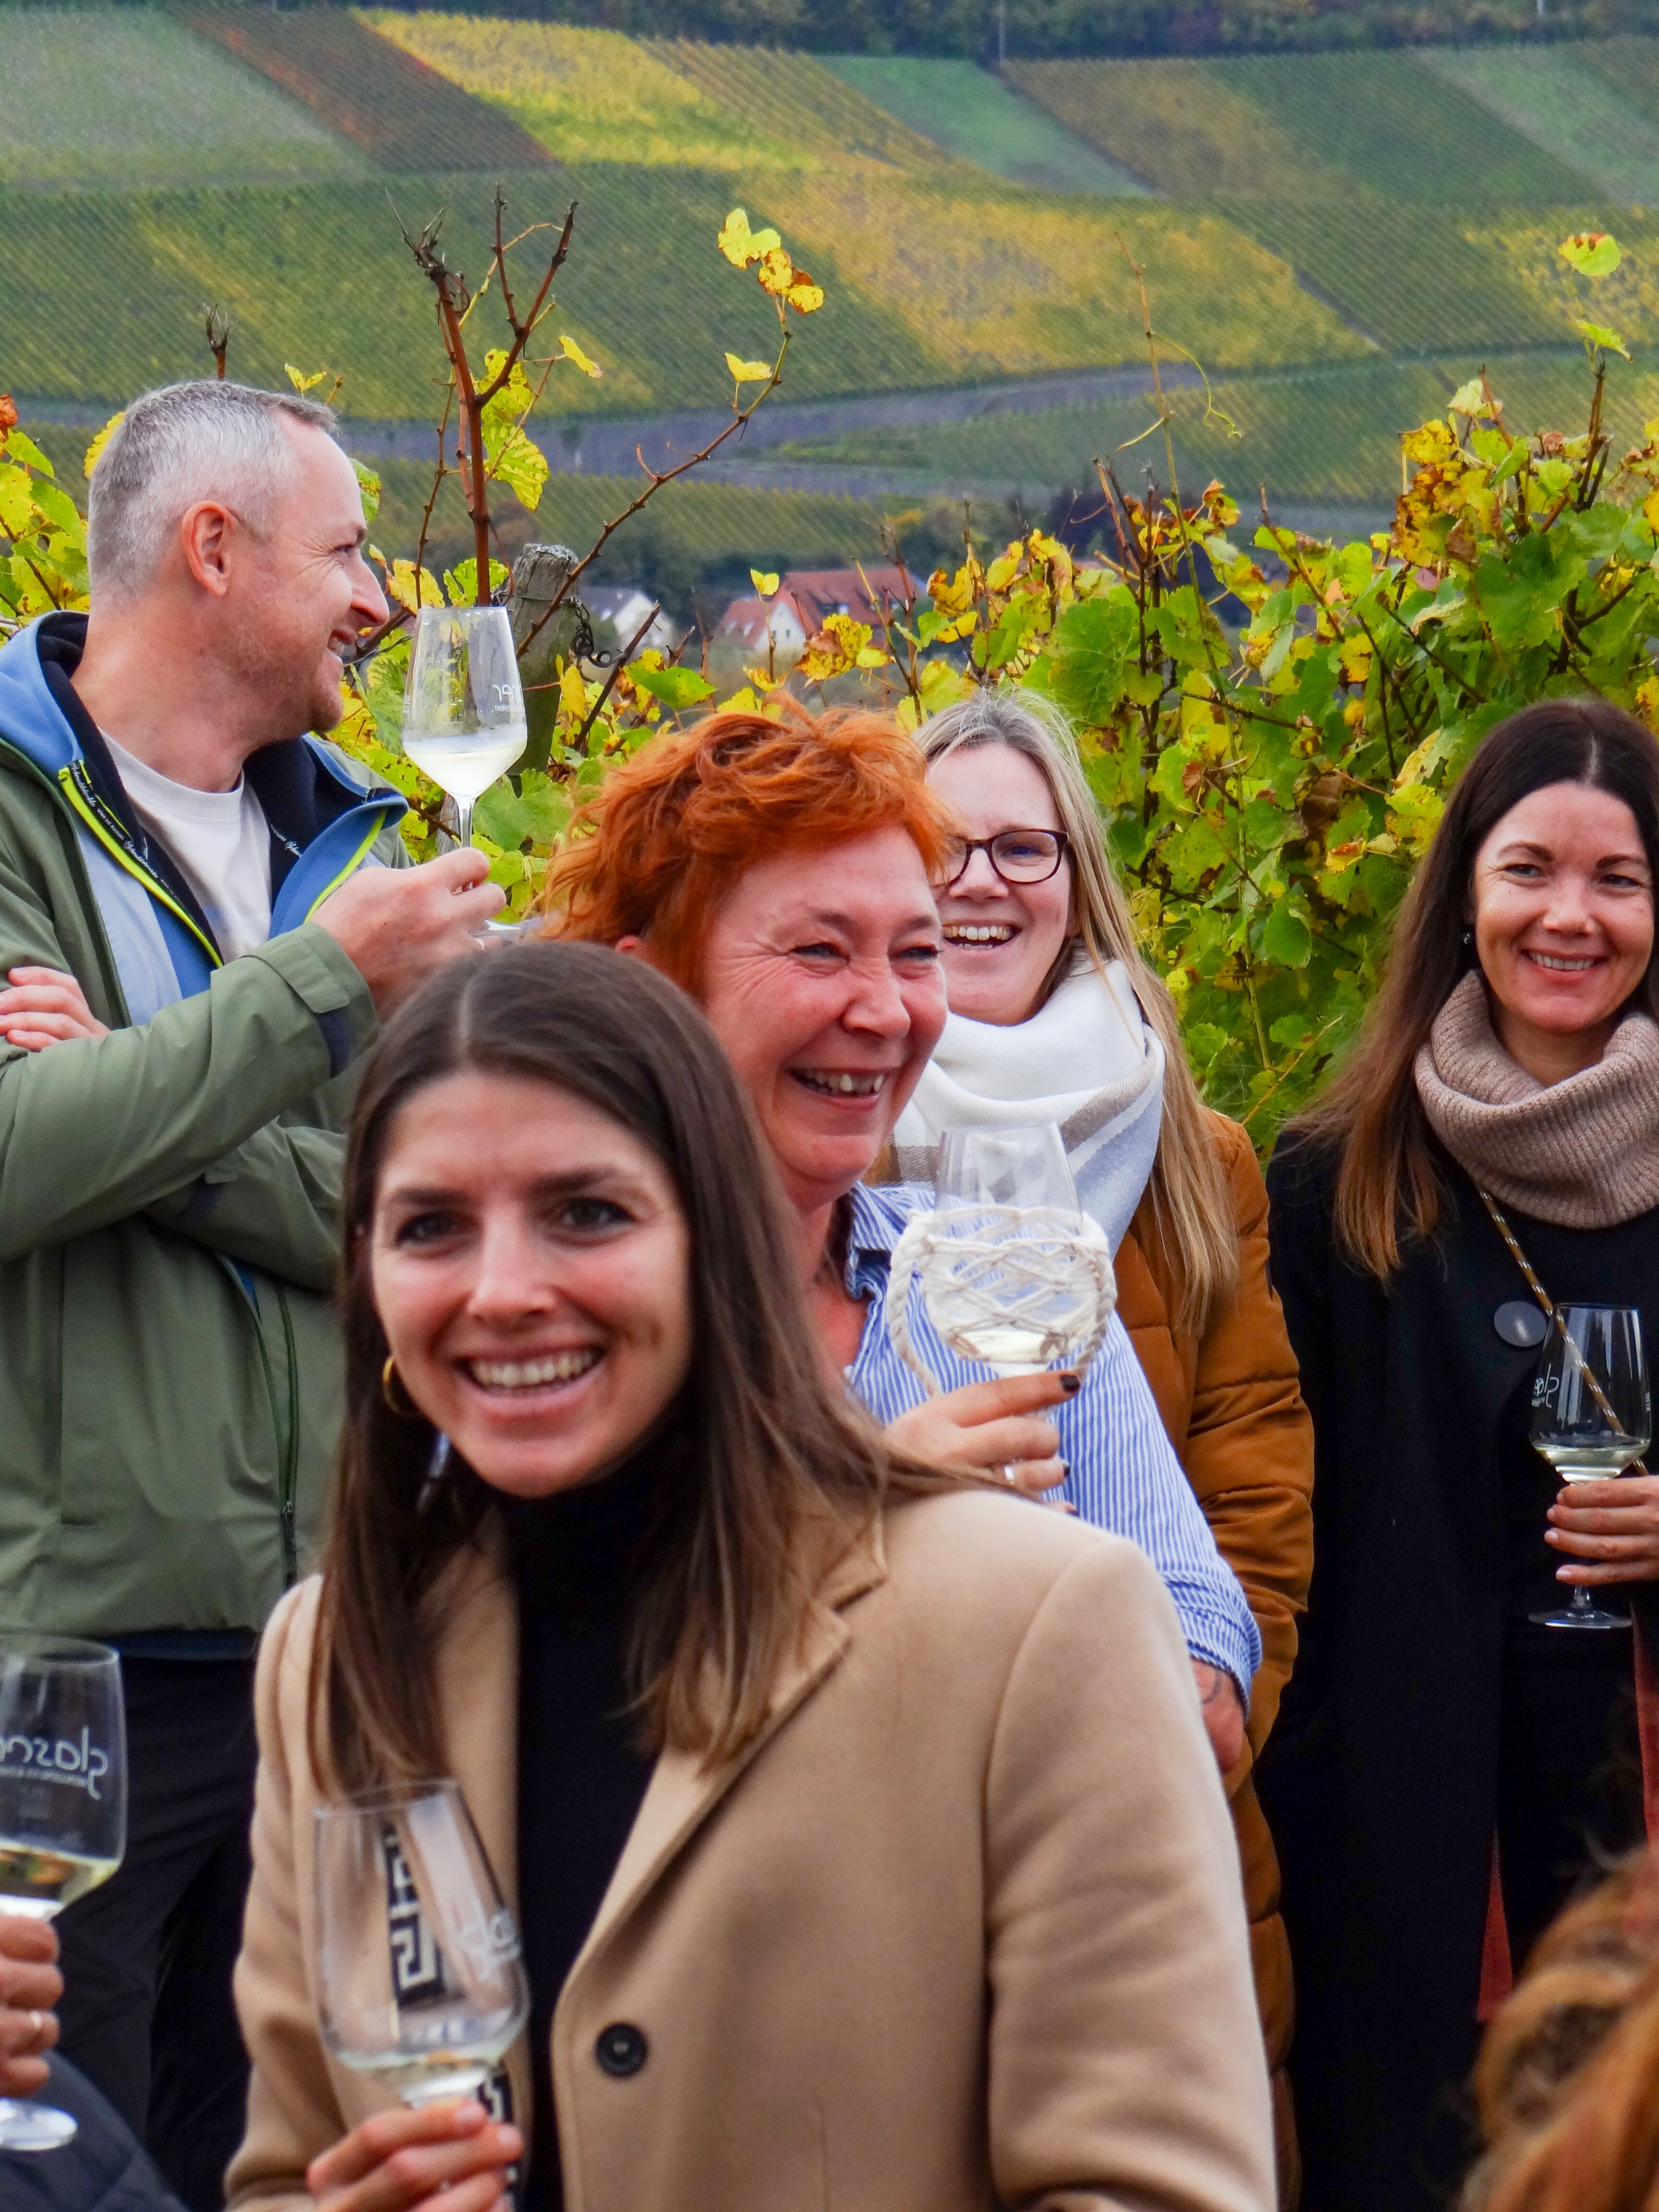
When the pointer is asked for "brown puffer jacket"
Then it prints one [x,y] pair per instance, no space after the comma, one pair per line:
[1230,1402]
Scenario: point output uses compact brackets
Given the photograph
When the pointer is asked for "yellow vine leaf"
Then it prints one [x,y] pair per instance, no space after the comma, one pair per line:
[804,295]
[739,244]
[1591,252]
[94,450]
[766,582]
[302,382]
[748,372]
[571,351]
[776,272]
[400,585]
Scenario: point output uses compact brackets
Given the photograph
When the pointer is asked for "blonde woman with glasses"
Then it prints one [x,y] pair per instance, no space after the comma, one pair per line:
[1055,1014]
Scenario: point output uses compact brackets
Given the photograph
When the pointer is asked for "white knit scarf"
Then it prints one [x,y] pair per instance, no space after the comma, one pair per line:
[1086,1059]
[1582,1154]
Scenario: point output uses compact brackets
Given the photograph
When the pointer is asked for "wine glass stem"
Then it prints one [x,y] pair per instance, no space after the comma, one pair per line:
[1581,1599]
[463,821]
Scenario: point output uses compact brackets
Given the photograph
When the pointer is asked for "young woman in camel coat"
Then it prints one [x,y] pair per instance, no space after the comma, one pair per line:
[917,1893]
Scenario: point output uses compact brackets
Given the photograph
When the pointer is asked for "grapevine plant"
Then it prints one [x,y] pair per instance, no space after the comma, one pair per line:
[1270,722]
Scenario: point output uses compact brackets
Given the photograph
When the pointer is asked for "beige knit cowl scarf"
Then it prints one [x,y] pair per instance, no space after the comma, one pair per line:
[1581,1154]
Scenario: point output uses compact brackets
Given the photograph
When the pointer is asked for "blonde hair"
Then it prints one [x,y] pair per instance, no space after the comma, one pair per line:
[1567,2073]
[1192,1204]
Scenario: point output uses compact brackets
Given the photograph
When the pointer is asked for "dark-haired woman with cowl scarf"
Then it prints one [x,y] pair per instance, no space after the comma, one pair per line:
[1508,1078]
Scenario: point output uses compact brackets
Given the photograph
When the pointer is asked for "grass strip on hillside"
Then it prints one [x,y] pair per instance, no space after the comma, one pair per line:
[645,291]
[801,100]
[970,111]
[101,96]
[402,114]
[1413,278]
[1170,122]
[1006,283]
[1572,112]
[585,95]
[1308,126]
[1386,122]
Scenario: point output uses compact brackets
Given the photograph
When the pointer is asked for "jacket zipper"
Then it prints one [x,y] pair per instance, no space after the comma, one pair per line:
[87,804]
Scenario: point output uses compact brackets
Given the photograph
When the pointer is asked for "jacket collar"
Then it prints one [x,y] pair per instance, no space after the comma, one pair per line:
[324,812]
[477,1649]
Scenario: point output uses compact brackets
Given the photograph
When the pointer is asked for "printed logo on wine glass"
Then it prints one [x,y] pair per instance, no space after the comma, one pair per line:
[509,698]
[73,1762]
[1545,1390]
[484,1942]
[418,1964]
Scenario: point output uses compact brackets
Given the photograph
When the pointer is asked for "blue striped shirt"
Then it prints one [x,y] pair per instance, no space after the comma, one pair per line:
[1124,1476]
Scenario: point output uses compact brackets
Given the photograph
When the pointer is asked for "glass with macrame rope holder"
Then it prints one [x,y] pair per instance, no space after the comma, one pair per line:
[1014,1275]
[1592,1418]
[464,712]
[417,1968]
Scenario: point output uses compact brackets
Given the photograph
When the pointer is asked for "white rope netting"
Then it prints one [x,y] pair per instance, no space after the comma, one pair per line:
[996,1277]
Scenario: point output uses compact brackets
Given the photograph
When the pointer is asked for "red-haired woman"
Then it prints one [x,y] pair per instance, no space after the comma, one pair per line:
[781,872]
[1499,1115]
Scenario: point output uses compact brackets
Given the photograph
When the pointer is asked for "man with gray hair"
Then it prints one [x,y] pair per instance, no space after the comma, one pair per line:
[198,942]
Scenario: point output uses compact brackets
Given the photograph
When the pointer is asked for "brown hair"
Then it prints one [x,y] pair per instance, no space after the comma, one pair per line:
[1568,2073]
[1388,1182]
[773,1471]
[1192,1204]
[656,851]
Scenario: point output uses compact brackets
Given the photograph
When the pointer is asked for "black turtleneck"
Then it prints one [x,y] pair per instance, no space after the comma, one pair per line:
[581,1773]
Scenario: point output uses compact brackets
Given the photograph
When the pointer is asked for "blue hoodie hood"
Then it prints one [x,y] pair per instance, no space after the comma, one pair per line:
[161,952]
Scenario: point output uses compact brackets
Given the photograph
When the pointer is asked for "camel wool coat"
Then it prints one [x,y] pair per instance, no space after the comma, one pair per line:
[962,1930]
[1232,1402]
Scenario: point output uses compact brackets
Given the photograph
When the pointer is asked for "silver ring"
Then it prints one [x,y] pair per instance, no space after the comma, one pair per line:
[1008,1474]
[39,2026]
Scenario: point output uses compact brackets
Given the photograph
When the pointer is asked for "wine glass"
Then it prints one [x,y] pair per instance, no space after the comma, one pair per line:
[464,718]
[63,1804]
[1591,1416]
[1014,1273]
[418,1972]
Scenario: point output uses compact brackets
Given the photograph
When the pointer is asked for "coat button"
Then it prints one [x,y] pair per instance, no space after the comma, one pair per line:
[621,2049]
[1522,1323]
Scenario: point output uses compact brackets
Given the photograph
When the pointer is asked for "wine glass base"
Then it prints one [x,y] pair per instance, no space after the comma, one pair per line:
[1590,1616]
[24,2126]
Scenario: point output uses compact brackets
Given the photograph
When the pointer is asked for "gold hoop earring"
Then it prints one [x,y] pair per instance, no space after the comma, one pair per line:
[390,1383]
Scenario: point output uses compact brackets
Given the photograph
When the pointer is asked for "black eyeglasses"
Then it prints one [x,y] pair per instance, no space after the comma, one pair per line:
[1019,856]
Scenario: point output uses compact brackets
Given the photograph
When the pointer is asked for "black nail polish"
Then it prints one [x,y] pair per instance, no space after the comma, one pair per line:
[1065,1470]
[1071,1384]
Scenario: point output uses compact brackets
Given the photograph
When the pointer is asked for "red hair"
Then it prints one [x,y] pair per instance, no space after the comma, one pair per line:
[656,852]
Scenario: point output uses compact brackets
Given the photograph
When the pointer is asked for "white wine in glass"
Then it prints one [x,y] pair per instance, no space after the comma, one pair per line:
[1591,1418]
[418,1963]
[63,1804]
[464,715]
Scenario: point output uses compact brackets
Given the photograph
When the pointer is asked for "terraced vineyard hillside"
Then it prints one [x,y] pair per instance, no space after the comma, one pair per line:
[1337,237]
[145,98]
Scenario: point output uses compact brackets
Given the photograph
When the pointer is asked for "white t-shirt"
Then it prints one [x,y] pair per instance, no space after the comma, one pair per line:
[220,843]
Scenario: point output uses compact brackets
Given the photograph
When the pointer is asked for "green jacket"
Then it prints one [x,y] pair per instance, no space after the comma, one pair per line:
[169,1359]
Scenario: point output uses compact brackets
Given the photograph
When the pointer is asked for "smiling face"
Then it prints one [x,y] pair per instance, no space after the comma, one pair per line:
[1563,912]
[532,1270]
[304,591]
[821,977]
[1000,940]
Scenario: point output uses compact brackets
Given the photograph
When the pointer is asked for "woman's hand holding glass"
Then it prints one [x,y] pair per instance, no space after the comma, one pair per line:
[30,1986]
[994,1427]
[1609,1531]
[451,2154]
